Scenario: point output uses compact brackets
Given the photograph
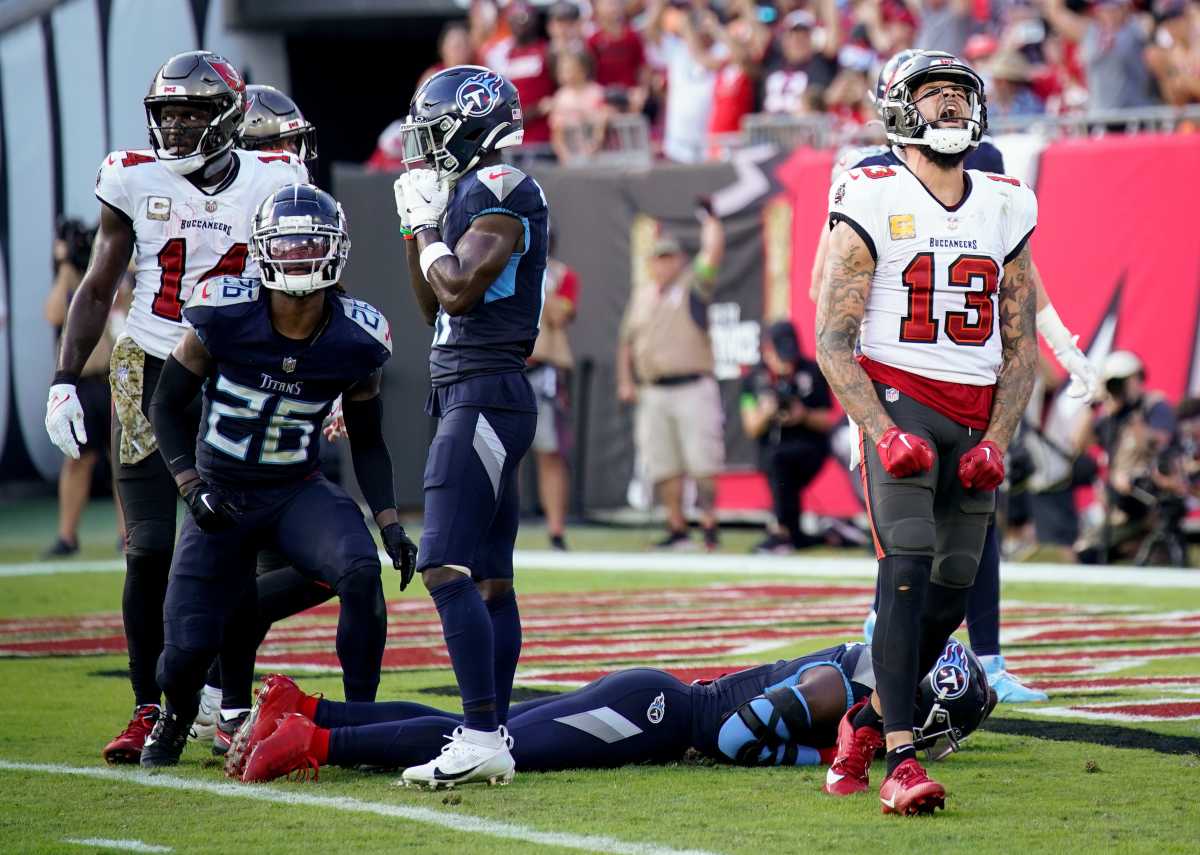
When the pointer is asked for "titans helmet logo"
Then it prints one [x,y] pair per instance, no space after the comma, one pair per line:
[478,94]
[951,675]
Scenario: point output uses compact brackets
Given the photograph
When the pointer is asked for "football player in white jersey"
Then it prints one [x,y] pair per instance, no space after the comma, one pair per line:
[182,210]
[926,333]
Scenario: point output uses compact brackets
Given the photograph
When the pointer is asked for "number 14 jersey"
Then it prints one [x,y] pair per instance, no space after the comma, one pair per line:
[932,310]
[183,235]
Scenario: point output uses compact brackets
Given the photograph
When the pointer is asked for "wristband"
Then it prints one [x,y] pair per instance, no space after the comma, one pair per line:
[432,253]
[1053,330]
[65,378]
[416,230]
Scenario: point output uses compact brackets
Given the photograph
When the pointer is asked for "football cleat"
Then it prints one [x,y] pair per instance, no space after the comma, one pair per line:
[471,757]
[856,749]
[287,750]
[908,791]
[127,746]
[205,725]
[1009,690]
[166,742]
[228,721]
[279,696]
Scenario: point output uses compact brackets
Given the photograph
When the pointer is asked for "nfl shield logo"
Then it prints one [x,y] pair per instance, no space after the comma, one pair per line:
[891,395]
[289,364]
[211,207]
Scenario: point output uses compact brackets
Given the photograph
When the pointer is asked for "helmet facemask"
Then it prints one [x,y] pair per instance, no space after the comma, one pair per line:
[906,125]
[185,148]
[298,254]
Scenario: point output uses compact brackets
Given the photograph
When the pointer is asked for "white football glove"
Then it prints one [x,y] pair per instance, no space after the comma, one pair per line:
[398,190]
[1085,379]
[63,413]
[426,196]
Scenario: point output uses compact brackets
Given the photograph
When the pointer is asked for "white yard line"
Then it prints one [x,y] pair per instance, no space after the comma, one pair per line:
[741,566]
[126,845]
[459,822]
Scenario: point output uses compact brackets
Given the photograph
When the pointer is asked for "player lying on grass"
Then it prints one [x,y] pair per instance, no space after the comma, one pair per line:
[781,714]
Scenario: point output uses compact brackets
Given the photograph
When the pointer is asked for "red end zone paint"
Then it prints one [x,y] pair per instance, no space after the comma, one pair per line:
[701,633]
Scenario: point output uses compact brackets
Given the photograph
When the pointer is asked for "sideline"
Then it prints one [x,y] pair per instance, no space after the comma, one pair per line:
[739,565]
[464,823]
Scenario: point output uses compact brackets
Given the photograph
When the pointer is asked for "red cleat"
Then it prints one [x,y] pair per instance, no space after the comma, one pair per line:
[908,791]
[289,749]
[278,697]
[127,747]
[856,749]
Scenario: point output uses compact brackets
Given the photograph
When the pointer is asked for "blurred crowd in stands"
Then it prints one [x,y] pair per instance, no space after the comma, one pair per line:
[696,68]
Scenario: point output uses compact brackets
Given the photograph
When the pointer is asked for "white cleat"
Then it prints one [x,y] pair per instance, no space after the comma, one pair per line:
[471,757]
[205,724]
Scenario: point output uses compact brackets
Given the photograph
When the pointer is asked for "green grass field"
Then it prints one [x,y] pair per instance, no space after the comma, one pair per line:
[1012,788]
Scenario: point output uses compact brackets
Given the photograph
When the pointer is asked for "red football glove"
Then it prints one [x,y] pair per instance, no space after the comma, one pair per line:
[904,454]
[982,468]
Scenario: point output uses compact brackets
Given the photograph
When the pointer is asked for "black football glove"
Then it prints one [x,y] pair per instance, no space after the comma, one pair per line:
[211,511]
[401,550]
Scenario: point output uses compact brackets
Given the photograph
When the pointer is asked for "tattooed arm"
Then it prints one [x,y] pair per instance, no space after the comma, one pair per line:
[1018,334]
[840,307]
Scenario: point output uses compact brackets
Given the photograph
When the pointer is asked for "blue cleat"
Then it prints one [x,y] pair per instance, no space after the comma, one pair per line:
[1009,690]
[869,627]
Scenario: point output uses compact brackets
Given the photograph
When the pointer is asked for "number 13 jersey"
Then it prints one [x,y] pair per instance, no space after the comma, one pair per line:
[932,310]
[183,235]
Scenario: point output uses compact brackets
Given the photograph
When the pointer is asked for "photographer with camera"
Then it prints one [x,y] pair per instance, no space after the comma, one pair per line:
[1135,428]
[785,405]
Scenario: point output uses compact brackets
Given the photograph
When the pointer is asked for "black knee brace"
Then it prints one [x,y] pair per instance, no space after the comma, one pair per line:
[943,614]
[903,580]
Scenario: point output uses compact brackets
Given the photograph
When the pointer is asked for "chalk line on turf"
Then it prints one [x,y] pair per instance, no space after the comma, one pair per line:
[728,566]
[464,823]
[109,843]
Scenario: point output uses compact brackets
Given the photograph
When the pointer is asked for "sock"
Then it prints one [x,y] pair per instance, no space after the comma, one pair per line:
[319,746]
[467,628]
[239,646]
[867,717]
[361,631]
[142,609]
[506,640]
[903,580]
[392,745]
[898,755]
[942,615]
[213,680]
[983,603]
[308,707]
[335,714]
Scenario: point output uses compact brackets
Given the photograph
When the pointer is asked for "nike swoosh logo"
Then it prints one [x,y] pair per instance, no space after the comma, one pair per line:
[207,504]
[832,777]
[891,803]
[904,439]
[61,401]
[440,776]
[853,177]
[494,175]
[204,292]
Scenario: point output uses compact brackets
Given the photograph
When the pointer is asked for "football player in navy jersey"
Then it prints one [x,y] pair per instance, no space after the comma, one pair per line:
[479,232]
[983,607]
[271,360]
[780,714]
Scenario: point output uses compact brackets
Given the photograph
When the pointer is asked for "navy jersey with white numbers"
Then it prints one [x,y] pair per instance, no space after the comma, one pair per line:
[497,334]
[267,394]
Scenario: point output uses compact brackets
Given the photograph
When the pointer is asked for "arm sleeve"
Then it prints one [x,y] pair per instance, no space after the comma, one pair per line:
[369,452]
[110,189]
[177,387]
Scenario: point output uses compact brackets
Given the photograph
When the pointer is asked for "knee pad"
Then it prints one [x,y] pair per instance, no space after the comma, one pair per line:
[903,574]
[767,730]
[909,534]
[956,570]
[151,537]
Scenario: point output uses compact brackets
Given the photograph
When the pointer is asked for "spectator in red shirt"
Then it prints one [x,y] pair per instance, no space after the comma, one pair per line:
[743,41]
[454,48]
[526,64]
[618,55]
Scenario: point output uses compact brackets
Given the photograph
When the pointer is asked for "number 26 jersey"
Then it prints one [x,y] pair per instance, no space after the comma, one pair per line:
[183,235]
[933,308]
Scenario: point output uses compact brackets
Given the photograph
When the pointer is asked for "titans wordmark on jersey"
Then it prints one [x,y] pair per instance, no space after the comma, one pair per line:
[183,235]
[932,308]
[267,395]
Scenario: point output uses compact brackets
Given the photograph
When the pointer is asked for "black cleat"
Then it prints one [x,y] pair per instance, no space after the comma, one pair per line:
[166,742]
[226,728]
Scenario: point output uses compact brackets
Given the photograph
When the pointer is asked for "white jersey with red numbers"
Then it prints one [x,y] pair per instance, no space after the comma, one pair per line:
[932,309]
[184,235]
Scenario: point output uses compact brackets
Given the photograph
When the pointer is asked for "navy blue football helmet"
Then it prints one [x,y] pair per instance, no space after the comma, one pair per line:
[300,240]
[457,117]
[953,699]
